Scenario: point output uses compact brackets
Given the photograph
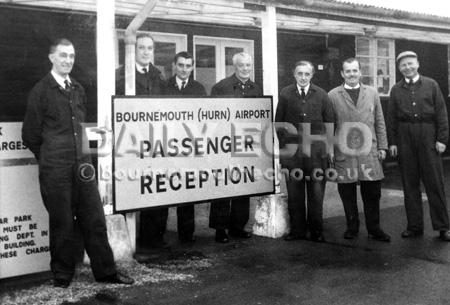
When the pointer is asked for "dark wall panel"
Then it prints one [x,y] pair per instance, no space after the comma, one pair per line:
[326,52]
[432,58]
[29,31]
[24,41]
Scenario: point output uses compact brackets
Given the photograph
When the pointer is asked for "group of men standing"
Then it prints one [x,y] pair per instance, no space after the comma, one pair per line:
[225,214]
[417,132]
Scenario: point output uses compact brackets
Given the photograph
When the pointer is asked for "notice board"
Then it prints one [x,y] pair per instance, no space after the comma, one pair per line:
[168,151]
[24,239]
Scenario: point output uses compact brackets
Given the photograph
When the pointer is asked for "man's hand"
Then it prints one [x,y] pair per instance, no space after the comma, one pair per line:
[381,154]
[393,150]
[440,147]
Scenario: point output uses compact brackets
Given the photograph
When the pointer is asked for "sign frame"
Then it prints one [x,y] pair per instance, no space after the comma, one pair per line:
[182,203]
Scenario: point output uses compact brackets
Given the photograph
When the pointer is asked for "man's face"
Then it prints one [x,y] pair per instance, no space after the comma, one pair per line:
[62,59]
[144,51]
[243,68]
[184,67]
[408,66]
[303,75]
[351,73]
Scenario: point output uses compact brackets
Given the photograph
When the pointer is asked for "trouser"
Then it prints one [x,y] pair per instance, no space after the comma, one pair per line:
[371,194]
[186,220]
[229,214]
[303,217]
[419,160]
[153,224]
[67,199]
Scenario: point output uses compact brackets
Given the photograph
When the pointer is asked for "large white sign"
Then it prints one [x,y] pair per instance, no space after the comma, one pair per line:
[176,150]
[24,240]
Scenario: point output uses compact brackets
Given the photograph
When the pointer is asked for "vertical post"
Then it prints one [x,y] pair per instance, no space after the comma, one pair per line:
[270,65]
[105,88]
[269,52]
[271,211]
[130,89]
[130,84]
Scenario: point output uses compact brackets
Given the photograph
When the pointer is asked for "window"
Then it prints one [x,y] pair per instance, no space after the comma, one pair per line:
[166,46]
[377,58]
[213,58]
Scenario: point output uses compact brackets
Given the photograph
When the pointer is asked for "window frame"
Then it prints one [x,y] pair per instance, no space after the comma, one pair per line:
[374,58]
[220,44]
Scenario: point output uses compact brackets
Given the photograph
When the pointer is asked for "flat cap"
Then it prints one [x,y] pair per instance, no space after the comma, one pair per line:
[405,54]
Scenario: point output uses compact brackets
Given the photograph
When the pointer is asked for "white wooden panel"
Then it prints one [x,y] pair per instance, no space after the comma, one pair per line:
[358,29]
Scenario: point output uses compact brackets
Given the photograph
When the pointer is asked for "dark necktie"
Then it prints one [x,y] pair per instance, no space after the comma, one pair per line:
[303,94]
[144,70]
[183,85]
[410,85]
[67,83]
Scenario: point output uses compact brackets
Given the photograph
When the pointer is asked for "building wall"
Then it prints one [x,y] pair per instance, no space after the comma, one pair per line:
[30,30]
[24,41]
[24,49]
[325,51]
[432,59]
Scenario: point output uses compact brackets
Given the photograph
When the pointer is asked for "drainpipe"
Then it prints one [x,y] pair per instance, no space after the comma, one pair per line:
[130,85]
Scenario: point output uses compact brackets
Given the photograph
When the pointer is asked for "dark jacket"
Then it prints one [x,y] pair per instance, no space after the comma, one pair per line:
[423,103]
[192,88]
[233,87]
[52,125]
[315,109]
[151,83]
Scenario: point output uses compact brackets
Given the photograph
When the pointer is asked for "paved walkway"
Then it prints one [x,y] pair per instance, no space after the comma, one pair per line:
[271,271]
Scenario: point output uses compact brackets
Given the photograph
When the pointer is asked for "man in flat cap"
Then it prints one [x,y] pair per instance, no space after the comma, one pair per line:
[418,133]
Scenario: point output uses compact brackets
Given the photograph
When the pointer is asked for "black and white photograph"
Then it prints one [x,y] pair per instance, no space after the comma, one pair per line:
[224,152]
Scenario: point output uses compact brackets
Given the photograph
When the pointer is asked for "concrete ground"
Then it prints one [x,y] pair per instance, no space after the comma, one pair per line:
[270,271]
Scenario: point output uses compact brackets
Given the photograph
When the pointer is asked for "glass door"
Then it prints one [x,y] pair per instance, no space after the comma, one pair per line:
[214,58]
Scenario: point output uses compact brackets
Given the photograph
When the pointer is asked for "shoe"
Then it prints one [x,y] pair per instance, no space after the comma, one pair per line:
[116,278]
[239,234]
[221,236]
[380,236]
[61,283]
[350,234]
[318,238]
[444,235]
[410,233]
[186,239]
[294,236]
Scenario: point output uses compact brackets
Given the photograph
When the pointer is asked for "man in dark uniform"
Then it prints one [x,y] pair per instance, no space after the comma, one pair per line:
[182,85]
[226,213]
[149,81]
[304,102]
[418,134]
[53,132]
